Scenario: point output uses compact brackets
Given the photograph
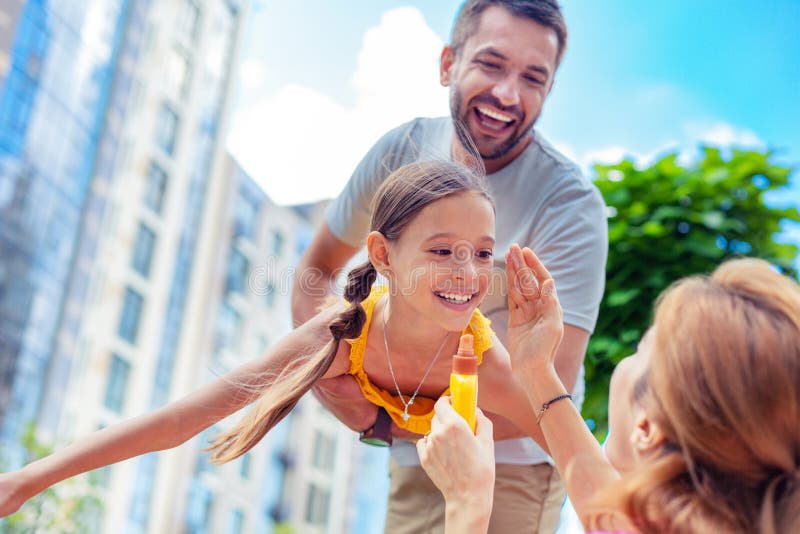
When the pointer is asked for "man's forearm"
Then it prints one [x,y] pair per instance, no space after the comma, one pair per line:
[312,287]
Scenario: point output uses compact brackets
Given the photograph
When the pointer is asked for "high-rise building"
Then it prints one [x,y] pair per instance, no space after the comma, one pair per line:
[57,63]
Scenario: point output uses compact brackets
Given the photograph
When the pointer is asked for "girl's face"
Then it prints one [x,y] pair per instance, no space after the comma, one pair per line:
[442,262]
[622,408]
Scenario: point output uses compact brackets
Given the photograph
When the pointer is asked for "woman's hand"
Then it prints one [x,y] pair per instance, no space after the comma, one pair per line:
[460,464]
[535,322]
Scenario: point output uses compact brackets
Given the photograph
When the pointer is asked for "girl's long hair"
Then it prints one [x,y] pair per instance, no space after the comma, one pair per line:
[399,199]
[723,384]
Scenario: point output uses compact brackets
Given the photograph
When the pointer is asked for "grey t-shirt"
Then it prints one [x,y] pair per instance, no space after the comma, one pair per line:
[543,202]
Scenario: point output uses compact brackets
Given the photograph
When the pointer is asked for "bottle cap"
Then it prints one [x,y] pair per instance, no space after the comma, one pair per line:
[465,362]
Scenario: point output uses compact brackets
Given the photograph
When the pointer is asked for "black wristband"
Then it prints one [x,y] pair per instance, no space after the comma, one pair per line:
[380,433]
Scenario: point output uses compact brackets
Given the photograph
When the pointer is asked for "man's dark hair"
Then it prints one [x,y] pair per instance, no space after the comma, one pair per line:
[545,12]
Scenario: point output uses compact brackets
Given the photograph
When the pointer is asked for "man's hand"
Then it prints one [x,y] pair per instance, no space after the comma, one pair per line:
[343,398]
[316,273]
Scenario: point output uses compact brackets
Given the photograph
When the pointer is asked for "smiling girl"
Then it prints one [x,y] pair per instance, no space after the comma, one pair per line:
[432,237]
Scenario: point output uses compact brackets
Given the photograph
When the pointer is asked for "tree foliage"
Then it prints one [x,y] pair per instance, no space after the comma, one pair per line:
[668,221]
[68,507]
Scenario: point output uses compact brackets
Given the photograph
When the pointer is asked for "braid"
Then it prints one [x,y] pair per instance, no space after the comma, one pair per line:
[348,324]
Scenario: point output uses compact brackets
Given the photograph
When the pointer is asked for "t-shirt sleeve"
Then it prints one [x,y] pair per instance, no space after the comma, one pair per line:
[571,239]
[348,214]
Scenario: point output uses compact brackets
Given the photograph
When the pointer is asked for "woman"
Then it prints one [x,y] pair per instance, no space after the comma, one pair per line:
[704,418]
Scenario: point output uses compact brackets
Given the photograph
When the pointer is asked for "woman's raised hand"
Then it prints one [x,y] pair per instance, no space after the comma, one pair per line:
[535,322]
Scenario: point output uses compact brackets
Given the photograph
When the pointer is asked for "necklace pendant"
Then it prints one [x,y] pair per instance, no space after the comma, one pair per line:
[405,416]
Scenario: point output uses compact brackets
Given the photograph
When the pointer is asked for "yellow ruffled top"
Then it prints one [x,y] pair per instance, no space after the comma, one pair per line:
[421,412]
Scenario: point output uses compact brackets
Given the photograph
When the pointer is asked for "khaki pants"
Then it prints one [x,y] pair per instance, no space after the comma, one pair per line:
[527,499]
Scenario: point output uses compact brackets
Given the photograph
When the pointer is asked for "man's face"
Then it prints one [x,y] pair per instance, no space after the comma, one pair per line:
[499,80]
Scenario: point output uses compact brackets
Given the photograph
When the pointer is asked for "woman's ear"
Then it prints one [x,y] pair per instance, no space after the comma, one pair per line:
[378,251]
[647,435]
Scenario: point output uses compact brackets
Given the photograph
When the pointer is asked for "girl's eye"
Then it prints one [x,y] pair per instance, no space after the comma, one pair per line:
[441,251]
[485,254]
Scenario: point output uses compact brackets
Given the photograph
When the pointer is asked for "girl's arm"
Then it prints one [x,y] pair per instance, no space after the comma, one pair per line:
[169,426]
[534,334]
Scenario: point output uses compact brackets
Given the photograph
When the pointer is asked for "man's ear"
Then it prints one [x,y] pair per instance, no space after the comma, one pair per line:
[378,251]
[647,435]
[446,62]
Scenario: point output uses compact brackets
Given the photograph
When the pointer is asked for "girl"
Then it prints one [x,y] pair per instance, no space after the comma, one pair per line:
[705,417]
[432,238]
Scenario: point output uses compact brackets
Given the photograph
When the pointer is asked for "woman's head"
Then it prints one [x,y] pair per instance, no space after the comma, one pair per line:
[721,401]
[432,235]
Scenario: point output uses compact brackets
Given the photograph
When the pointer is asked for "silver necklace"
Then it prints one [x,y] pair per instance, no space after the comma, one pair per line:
[391,370]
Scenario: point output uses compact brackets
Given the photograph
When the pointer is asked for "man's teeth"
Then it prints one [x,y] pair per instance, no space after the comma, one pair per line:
[455,298]
[495,115]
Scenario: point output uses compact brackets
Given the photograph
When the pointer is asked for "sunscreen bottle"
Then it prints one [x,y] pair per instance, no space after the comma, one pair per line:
[464,380]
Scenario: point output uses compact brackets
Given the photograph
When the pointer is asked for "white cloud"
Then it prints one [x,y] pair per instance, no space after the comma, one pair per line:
[722,134]
[302,145]
[252,74]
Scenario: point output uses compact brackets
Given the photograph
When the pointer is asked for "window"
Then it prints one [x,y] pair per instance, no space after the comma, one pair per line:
[229,323]
[177,74]
[246,216]
[199,509]
[238,269]
[244,466]
[270,295]
[236,521]
[189,20]
[143,250]
[131,312]
[155,188]
[324,451]
[317,505]
[277,243]
[117,384]
[167,128]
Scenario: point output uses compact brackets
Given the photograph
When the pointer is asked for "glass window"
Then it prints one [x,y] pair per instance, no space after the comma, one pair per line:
[189,20]
[167,128]
[199,509]
[229,323]
[236,522]
[244,467]
[143,250]
[317,505]
[277,243]
[131,312]
[117,384]
[324,451]
[238,269]
[270,295]
[155,187]
[246,216]
[177,74]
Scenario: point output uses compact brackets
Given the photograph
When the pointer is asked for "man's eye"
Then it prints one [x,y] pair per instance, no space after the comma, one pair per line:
[533,80]
[488,65]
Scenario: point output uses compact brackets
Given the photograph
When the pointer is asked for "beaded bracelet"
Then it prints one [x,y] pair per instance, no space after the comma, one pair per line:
[547,404]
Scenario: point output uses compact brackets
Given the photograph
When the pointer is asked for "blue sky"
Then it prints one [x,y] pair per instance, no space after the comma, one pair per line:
[319,82]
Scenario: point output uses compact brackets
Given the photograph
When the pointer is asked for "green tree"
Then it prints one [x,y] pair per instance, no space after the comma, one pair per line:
[668,221]
[68,507]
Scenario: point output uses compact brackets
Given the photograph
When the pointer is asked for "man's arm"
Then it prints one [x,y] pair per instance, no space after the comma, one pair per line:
[316,273]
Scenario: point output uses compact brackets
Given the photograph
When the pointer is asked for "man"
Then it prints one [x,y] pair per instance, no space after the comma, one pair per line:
[500,67]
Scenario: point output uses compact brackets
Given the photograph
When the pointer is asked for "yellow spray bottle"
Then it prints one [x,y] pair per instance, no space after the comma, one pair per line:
[464,380]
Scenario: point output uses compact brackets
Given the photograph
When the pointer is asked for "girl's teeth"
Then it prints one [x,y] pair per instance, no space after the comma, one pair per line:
[455,298]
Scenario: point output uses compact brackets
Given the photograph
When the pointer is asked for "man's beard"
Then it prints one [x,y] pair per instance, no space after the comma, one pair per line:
[468,141]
